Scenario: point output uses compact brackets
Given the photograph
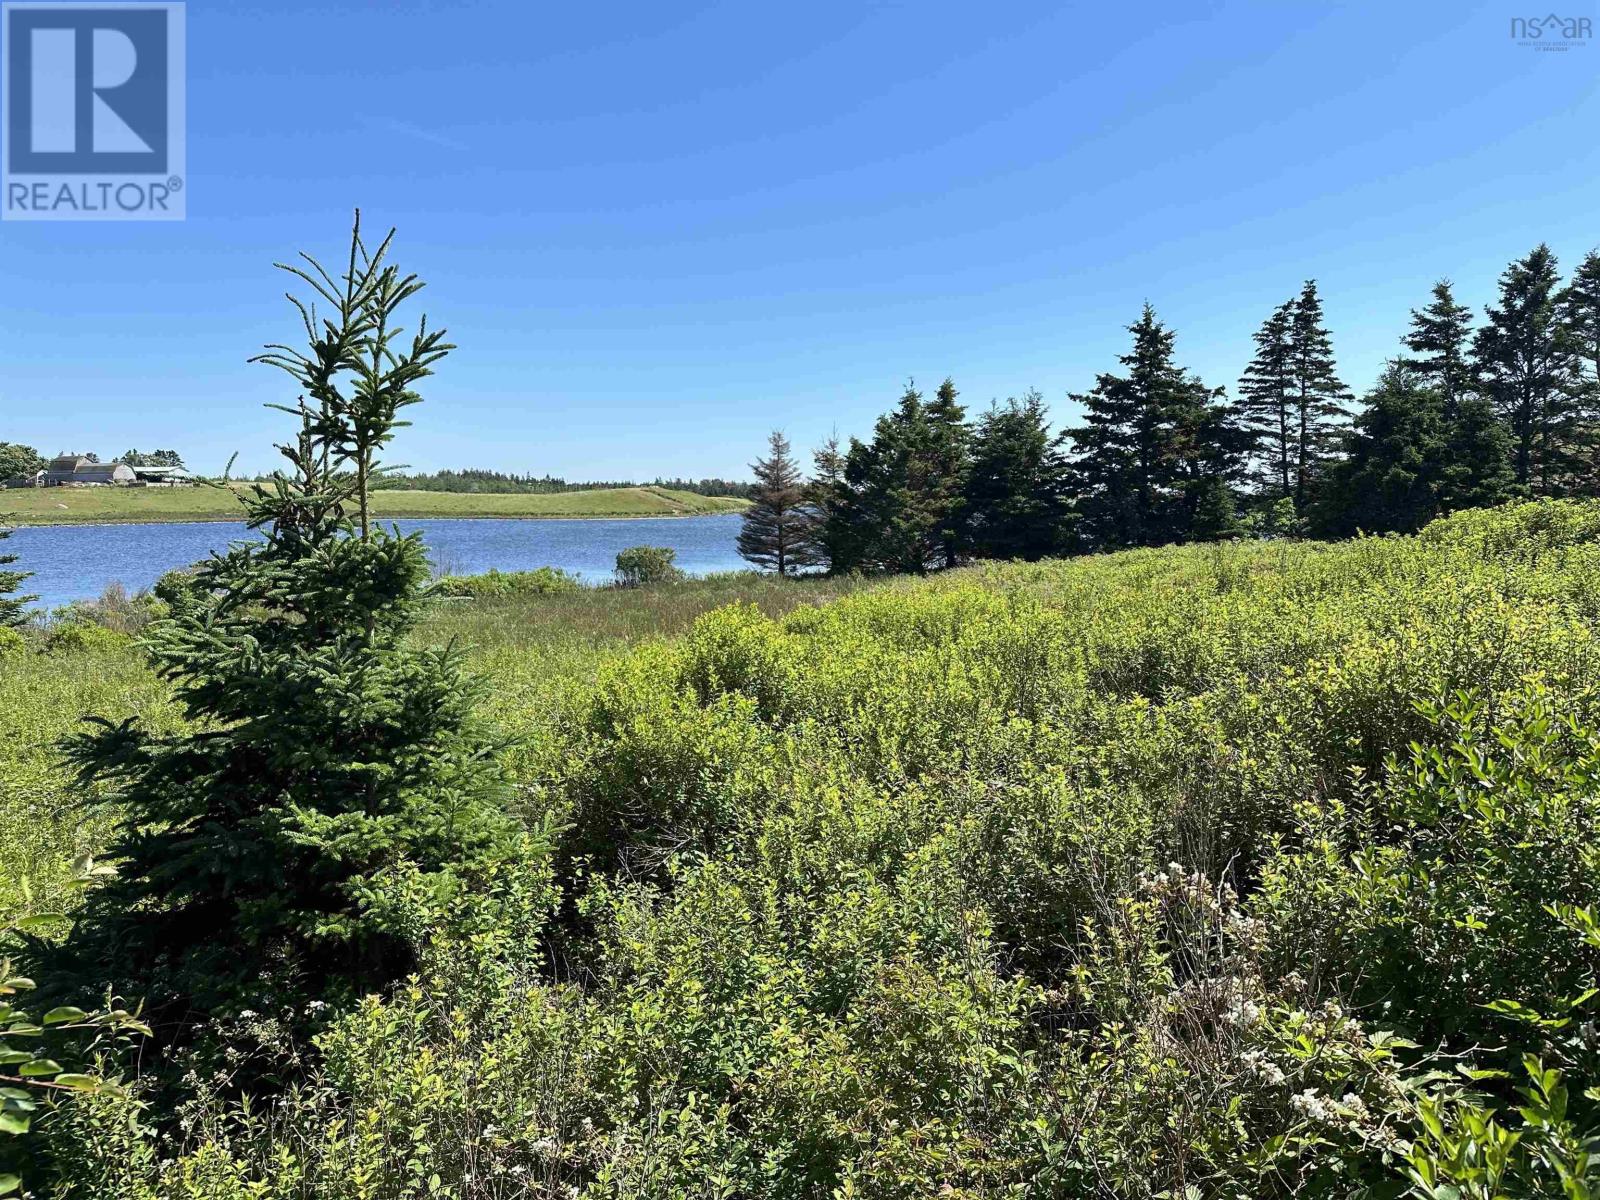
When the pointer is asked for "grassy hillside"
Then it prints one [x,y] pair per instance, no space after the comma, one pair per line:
[1247,870]
[27,506]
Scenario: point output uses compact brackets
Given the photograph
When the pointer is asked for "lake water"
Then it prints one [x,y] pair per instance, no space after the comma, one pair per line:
[78,562]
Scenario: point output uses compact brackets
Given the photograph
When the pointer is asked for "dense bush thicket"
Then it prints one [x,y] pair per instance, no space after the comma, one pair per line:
[542,581]
[641,566]
[1234,870]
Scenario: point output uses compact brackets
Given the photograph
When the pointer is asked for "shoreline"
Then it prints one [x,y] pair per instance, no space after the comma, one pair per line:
[7,521]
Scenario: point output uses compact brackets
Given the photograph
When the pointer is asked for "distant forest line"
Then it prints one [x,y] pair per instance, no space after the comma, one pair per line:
[471,481]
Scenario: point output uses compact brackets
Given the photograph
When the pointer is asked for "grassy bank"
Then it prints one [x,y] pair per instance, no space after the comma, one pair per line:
[63,506]
[1221,871]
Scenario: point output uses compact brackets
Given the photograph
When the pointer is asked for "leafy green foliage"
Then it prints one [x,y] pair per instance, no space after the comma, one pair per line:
[18,461]
[542,581]
[31,1042]
[154,458]
[641,566]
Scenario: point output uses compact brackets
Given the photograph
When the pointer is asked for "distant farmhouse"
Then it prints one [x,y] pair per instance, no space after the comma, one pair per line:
[74,470]
[77,470]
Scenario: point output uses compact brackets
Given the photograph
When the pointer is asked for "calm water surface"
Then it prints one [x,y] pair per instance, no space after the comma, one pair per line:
[77,562]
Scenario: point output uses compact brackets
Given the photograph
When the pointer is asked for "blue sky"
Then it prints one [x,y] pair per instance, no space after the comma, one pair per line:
[659,230]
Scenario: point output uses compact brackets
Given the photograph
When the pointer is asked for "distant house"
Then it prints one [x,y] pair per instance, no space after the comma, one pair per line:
[162,477]
[74,470]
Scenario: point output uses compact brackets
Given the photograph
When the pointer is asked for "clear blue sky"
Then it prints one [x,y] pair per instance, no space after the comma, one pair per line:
[659,230]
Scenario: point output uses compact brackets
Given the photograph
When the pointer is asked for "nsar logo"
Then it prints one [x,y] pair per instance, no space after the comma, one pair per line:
[93,112]
[1551,32]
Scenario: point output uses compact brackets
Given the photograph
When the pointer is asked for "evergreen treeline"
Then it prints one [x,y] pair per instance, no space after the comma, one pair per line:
[1462,417]
[473,480]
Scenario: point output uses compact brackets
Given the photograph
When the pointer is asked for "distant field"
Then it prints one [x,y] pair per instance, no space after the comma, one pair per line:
[85,505]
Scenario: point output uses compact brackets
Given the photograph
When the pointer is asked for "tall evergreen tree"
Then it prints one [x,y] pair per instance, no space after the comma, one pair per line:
[777,529]
[1525,364]
[1320,396]
[835,540]
[12,606]
[1266,403]
[1440,341]
[1292,398]
[332,775]
[948,452]
[1019,500]
[1471,465]
[1149,440]
[1579,310]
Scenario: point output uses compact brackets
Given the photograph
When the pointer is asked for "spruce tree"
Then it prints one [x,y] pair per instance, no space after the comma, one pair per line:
[333,775]
[898,503]
[1476,472]
[1292,398]
[949,462]
[1150,439]
[1440,341]
[777,530]
[1579,310]
[1526,365]
[1319,395]
[1267,406]
[835,540]
[13,608]
[1019,499]
[1391,477]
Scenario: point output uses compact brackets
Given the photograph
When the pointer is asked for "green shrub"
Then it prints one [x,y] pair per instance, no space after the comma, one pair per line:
[84,636]
[545,581]
[641,566]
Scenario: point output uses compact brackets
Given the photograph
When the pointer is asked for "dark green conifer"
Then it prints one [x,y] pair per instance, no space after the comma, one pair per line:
[1440,341]
[1391,476]
[1019,501]
[1579,311]
[1266,404]
[834,537]
[948,453]
[1526,365]
[1150,440]
[13,608]
[898,504]
[1319,394]
[1292,398]
[333,775]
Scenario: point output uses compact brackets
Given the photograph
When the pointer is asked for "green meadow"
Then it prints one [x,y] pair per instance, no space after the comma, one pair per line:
[1248,869]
